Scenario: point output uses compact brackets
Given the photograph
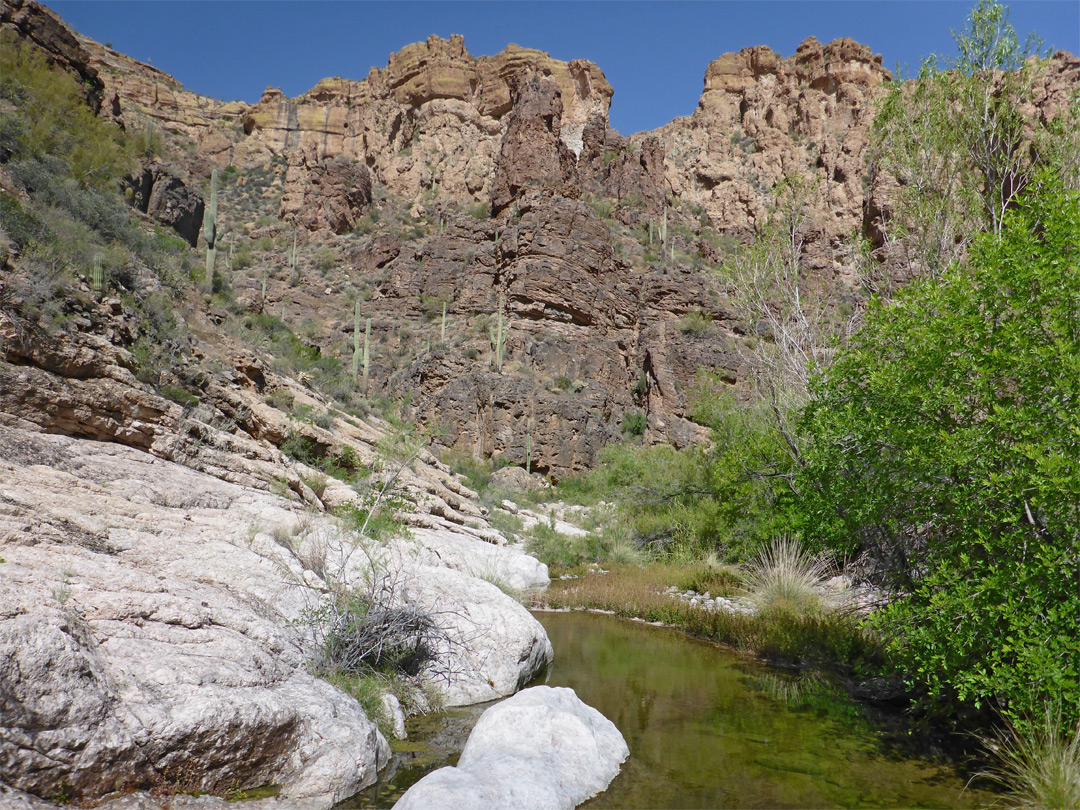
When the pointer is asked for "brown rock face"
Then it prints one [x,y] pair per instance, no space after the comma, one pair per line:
[34,23]
[531,150]
[432,120]
[165,198]
[762,118]
[324,195]
[588,336]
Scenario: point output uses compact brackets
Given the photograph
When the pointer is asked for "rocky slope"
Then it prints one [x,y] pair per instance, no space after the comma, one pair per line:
[161,565]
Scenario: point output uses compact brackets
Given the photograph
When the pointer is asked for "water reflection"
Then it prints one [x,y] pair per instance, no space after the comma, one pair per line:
[705,729]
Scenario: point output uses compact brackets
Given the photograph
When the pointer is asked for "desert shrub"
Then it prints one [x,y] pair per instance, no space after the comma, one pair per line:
[55,119]
[633,423]
[695,323]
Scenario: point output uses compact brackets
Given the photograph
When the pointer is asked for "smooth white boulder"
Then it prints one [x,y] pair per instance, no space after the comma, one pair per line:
[542,749]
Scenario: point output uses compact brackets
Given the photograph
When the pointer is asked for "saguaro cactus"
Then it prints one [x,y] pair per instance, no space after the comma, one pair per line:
[356,342]
[210,233]
[367,354]
[98,278]
[497,337]
[442,330]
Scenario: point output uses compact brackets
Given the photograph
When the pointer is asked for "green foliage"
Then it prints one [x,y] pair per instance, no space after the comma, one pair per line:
[378,522]
[181,396]
[21,224]
[480,210]
[729,498]
[959,141]
[633,423]
[695,323]
[559,550]
[946,441]
[54,119]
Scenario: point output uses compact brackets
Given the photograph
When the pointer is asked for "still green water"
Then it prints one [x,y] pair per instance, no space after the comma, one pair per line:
[706,729]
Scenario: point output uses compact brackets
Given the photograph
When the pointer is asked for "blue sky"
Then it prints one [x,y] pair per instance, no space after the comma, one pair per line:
[653,53]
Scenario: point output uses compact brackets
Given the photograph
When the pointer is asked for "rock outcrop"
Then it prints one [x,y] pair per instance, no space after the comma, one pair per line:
[166,199]
[532,151]
[148,638]
[324,195]
[542,749]
[155,625]
[763,118]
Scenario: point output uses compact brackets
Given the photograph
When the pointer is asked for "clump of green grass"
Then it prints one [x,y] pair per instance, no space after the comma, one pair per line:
[787,579]
[1038,763]
[368,689]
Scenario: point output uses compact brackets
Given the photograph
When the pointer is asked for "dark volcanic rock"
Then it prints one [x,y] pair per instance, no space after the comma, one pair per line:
[532,152]
[166,199]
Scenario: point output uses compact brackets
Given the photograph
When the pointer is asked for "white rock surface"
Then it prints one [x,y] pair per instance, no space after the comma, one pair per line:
[151,630]
[542,749]
[506,564]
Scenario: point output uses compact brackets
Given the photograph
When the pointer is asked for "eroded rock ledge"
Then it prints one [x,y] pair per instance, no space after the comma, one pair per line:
[152,629]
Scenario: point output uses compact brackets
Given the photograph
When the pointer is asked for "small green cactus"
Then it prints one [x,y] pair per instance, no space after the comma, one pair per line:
[98,278]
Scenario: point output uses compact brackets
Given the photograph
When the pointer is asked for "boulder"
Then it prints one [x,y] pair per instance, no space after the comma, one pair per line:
[155,628]
[542,749]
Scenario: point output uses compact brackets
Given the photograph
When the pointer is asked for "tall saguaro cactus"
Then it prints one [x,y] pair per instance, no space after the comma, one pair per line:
[498,336]
[98,278]
[210,233]
[367,353]
[356,342]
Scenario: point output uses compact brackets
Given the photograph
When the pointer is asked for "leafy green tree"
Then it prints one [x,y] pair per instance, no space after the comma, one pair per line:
[945,440]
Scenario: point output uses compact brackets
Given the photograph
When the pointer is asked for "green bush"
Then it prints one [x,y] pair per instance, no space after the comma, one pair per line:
[695,323]
[945,441]
[633,423]
[56,120]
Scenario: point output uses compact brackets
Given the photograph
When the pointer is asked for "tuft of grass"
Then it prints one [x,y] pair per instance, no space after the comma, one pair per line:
[1039,764]
[368,690]
[787,579]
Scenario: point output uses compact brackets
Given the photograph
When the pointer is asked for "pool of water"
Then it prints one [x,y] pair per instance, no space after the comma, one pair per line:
[706,729]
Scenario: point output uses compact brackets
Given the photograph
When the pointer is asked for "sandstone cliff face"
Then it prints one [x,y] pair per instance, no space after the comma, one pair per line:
[431,120]
[762,118]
